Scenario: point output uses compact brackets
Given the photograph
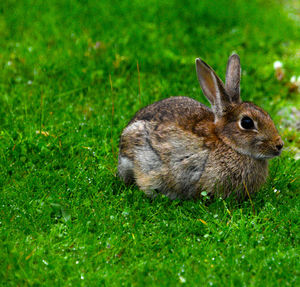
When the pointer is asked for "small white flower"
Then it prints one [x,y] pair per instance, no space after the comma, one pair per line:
[293,79]
[277,64]
[45,262]
[182,279]
[29,82]
[81,277]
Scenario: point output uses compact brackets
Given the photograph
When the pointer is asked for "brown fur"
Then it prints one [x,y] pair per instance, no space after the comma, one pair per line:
[180,147]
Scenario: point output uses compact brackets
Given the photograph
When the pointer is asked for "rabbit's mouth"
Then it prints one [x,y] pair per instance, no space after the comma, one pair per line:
[271,154]
[264,149]
[277,148]
[266,154]
[277,153]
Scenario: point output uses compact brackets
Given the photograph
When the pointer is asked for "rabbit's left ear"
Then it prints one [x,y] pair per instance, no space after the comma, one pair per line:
[233,78]
[213,88]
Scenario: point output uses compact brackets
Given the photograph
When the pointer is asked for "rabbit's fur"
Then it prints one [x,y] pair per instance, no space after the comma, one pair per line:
[180,147]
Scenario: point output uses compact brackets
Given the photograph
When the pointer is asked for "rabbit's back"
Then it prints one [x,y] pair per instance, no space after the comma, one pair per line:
[182,110]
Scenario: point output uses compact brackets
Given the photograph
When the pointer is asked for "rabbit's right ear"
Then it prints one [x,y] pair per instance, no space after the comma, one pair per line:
[233,78]
[213,88]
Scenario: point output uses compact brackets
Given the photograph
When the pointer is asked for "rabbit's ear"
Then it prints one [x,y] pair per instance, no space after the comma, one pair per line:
[213,88]
[233,78]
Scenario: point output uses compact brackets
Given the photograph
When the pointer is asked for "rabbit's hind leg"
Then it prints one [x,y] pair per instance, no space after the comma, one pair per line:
[149,183]
[147,168]
[146,179]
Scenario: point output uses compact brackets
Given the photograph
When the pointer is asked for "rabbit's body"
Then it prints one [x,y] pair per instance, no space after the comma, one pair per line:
[177,153]
[180,147]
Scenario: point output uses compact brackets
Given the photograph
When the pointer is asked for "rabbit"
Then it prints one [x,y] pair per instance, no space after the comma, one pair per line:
[181,148]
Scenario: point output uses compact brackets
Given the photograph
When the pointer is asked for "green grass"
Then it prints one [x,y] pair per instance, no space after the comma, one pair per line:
[65,217]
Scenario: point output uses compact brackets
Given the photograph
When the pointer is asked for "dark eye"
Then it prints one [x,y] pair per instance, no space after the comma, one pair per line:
[247,123]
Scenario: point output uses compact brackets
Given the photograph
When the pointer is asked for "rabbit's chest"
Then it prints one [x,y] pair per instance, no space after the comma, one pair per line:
[230,171]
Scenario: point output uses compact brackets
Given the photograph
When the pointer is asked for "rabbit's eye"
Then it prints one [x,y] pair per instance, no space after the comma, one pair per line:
[247,123]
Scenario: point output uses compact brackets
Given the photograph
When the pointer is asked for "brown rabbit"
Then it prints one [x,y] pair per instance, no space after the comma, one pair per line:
[180,147]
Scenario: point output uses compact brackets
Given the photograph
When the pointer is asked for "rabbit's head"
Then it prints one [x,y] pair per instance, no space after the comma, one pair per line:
[243,126]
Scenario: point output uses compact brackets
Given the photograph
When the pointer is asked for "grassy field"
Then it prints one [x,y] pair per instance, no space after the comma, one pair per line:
[65,217]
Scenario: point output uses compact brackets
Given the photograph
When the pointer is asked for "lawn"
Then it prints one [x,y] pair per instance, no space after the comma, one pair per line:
[69,84]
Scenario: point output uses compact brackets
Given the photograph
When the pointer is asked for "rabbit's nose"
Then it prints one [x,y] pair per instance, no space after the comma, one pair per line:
[279,144]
